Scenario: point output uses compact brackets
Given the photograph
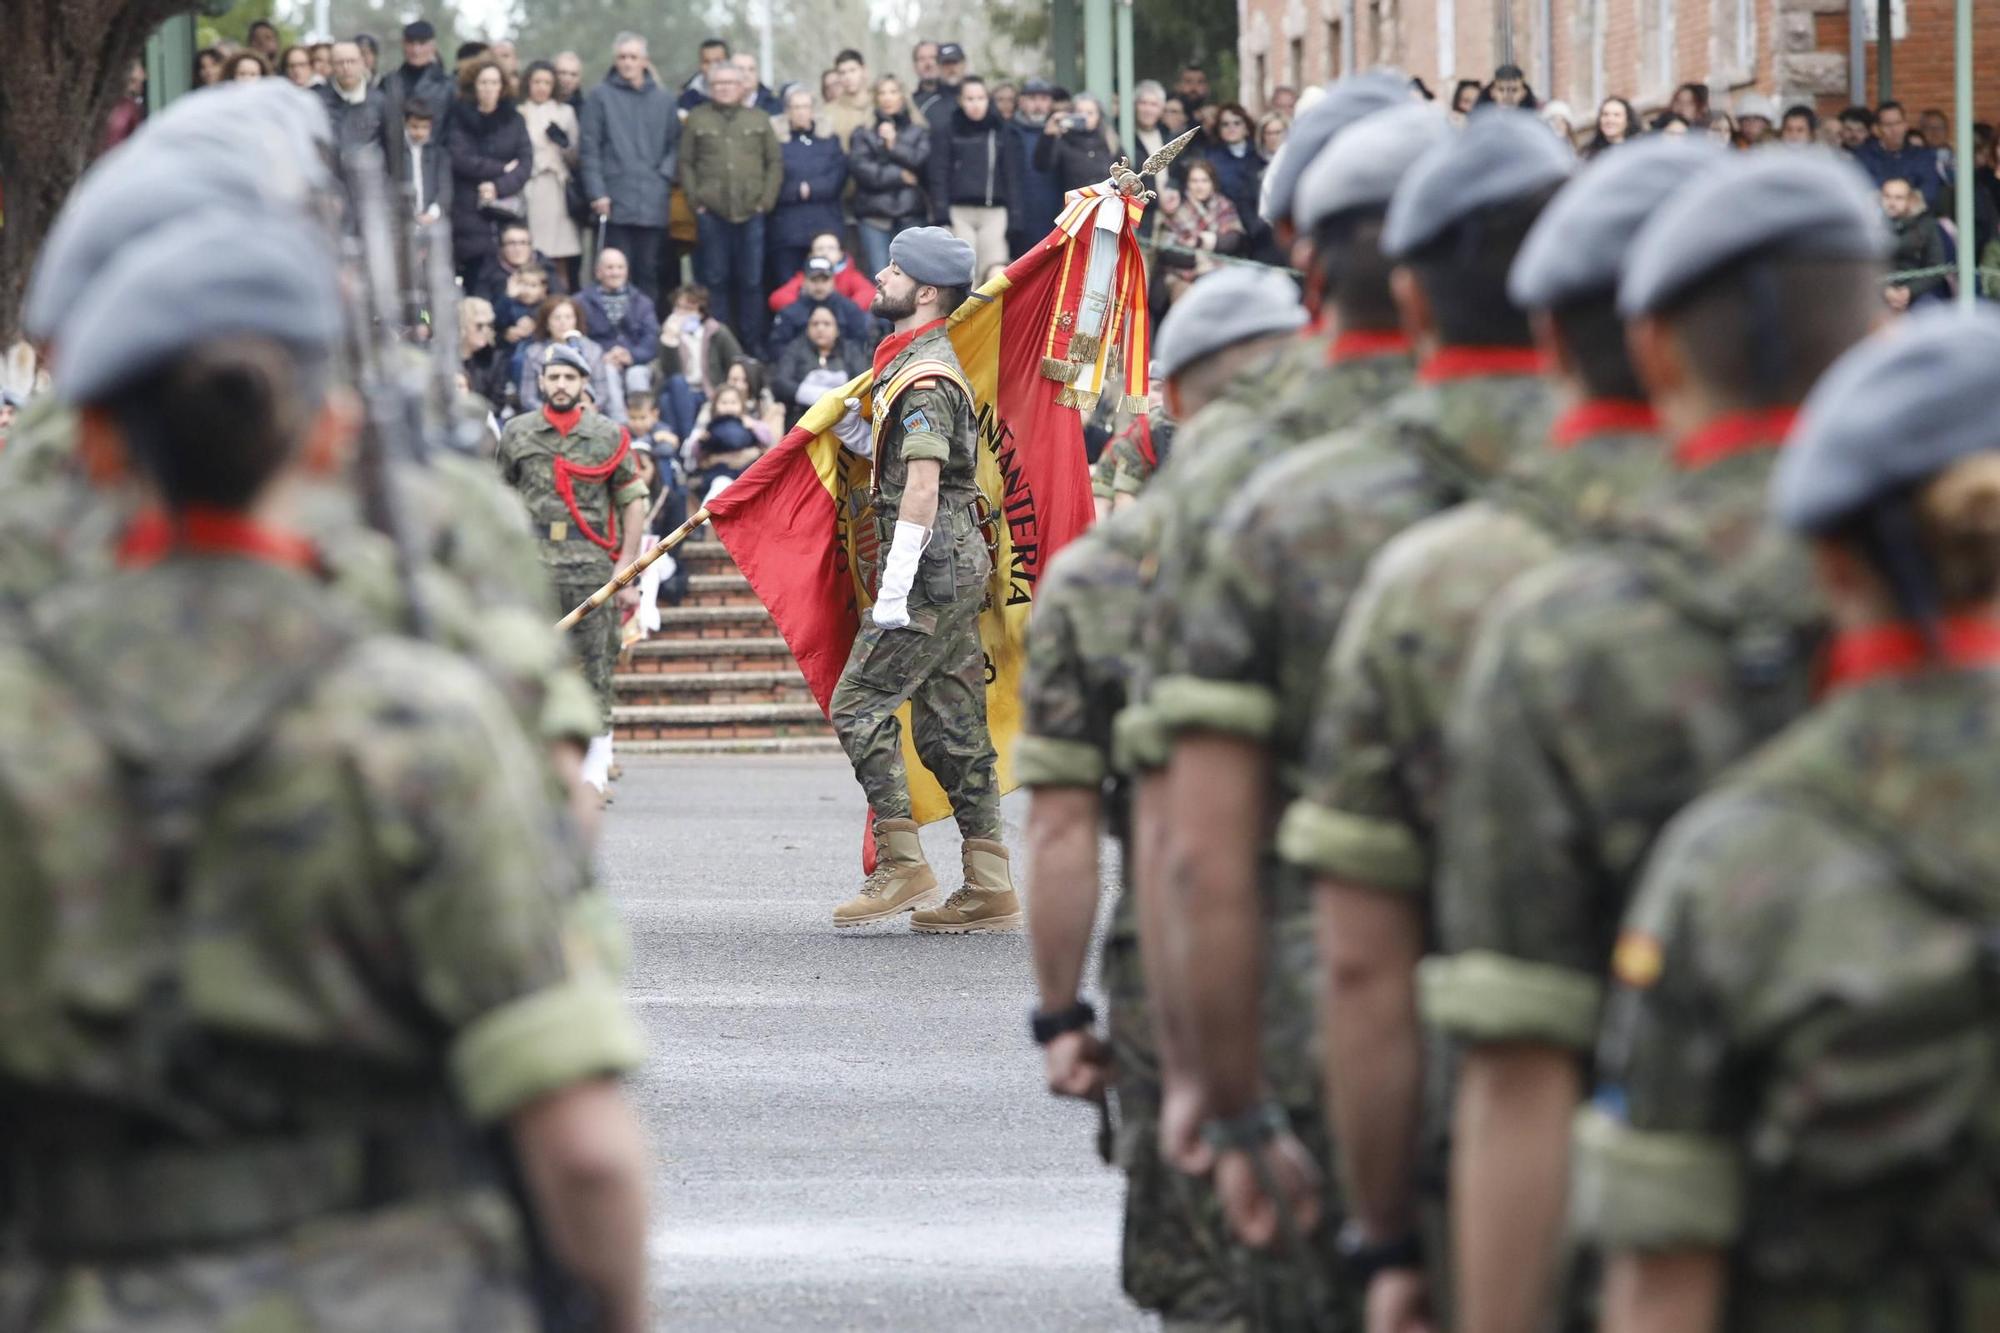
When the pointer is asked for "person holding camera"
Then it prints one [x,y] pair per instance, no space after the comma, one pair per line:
[1074,146]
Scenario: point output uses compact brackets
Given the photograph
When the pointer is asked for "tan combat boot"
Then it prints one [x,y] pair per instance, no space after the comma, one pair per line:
[902,880]
[987,901]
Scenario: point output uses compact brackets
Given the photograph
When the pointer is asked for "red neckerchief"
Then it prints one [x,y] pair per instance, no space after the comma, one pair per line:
[567,474]
[1464,363]
[1600,416]
[1142,436]
[154,534]
[1862,655]
[894,345]
[1359,344]
[1734,433]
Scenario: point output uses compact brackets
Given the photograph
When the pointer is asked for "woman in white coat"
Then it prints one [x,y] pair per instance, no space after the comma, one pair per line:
[552,128]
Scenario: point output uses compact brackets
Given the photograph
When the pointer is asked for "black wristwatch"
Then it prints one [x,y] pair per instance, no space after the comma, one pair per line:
[1046,1027]
[1361,1259]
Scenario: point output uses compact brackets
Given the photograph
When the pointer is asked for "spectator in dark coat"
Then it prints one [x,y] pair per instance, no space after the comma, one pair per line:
[421,77]
[1239,171]
[757,93]
[887,159]
[975,175]
[515,251]
[1074,148]
[617,316]
[1918,246]
[491,159]
[1891,156]
[817,293]
[629,156]
[359,112]
[816,363]
[417,141]
[1041,195]
[809,198]
[486,364]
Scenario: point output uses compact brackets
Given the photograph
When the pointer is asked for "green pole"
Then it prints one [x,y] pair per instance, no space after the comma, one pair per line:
[169,62]
[1968,262]
[1126,124]
[1097,46]
[1062,41]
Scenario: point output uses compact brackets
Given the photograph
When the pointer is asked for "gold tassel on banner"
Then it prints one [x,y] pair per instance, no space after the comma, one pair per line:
[1083,400]
[1062,372]
[1084,348]
[1136,403]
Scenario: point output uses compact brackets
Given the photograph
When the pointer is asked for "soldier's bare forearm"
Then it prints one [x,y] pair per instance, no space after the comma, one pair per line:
[1215,827]
[632,526]
[1062,883]
[1369,945]
[1171,1028]
[584,1160]
[1510,1182]
[1675,1292]
[920,494]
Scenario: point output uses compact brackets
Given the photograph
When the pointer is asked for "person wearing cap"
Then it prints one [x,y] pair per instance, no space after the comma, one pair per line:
[572,469]
[409,999]
[1609,686]
[919,644]
[1083,647]
[421,77]
[1041,193]
[1239,680]
[1756,119]
[817,291]
[936,98]
[1364,828]
[731,171]
[1792,1085]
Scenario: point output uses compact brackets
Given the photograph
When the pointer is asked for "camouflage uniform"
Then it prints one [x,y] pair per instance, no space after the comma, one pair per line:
[310,943]
[1603,692]
[1256,621]
[576,565]
[1373,777]
[1797,1066]
[1083,640]
[936,663]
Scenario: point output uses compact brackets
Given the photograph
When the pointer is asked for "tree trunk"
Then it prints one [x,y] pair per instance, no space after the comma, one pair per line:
[61,66]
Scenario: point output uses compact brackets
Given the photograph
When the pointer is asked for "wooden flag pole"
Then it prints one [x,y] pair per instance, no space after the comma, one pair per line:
[632,571]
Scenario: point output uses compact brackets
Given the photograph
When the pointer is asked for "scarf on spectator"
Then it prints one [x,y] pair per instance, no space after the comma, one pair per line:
[615,304]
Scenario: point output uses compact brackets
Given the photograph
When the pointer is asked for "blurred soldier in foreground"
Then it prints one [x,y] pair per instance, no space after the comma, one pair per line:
[1082,648]
[1255,627]
[1795,1123]
[284,968]
[1373,776]
[1608,687]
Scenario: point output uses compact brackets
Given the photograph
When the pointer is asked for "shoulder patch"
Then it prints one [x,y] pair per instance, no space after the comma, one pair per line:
[917,420]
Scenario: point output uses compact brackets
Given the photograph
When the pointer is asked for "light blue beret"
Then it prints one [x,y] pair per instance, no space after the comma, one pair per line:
[1577,247]
[1502,154]
[1347,100]
[1362,167]
[213,274]
[933,256]
[1898,408]
[1803,202]
[1226,307]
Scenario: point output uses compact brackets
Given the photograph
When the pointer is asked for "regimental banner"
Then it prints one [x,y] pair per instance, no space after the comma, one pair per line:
[800,523]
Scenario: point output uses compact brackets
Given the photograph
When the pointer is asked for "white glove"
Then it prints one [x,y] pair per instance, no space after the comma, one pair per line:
[854,432]
[899,575]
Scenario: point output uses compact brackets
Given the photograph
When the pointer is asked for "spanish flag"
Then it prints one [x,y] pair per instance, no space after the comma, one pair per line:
[800,523]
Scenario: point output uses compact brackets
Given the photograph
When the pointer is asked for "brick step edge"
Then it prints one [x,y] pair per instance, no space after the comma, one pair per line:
[758,647]
[692,715]
[677,682]
[708,615]
[729,582]
[770,745]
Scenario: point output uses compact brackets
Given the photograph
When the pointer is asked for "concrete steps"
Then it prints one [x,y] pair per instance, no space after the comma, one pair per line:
[717,678]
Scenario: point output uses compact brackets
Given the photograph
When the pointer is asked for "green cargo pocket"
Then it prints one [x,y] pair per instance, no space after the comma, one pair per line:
[896,658]
[937,574]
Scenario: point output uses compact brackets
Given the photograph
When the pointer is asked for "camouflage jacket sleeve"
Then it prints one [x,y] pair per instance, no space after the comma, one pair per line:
[1518,892]
[460,806]
[1059,746]
[625,484]
[926,412]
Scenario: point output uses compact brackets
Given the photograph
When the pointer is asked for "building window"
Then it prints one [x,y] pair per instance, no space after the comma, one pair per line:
[1263,79]
[1336,50]
[1447,31]
[1375,53]
[1296,75]
[1742,38]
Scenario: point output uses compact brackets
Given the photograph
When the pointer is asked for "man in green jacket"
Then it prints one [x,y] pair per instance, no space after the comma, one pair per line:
[731,168]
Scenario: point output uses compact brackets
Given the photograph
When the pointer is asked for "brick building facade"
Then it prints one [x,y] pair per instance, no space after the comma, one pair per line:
[1585,50]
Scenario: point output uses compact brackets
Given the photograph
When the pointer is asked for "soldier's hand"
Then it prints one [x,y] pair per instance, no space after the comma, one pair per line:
[1398,1302]
[1077,1064]
[1183,1108]
[1253,1212]
[629,597]
[892,613]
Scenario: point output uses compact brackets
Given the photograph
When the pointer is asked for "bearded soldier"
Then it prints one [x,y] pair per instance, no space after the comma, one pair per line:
[574,471]
[920,645]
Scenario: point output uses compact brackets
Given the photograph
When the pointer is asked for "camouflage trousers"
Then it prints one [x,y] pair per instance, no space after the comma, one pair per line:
[937,666]
[431,1267]
[594,639]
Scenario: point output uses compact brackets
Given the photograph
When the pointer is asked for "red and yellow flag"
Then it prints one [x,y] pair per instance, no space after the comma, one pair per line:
[801,527]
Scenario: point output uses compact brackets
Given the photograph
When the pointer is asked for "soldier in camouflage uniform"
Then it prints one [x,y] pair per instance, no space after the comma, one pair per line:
[1082,648]
[1604,689]
[284,916]
[1242,672]
[1795,1123]
[574,472]
[1373,776]
[920,644]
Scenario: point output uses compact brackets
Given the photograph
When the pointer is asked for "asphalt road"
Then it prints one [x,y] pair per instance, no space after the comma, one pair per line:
[850,1128]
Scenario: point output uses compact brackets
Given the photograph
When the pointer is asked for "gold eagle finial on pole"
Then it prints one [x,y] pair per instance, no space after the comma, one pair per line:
[1128,181]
